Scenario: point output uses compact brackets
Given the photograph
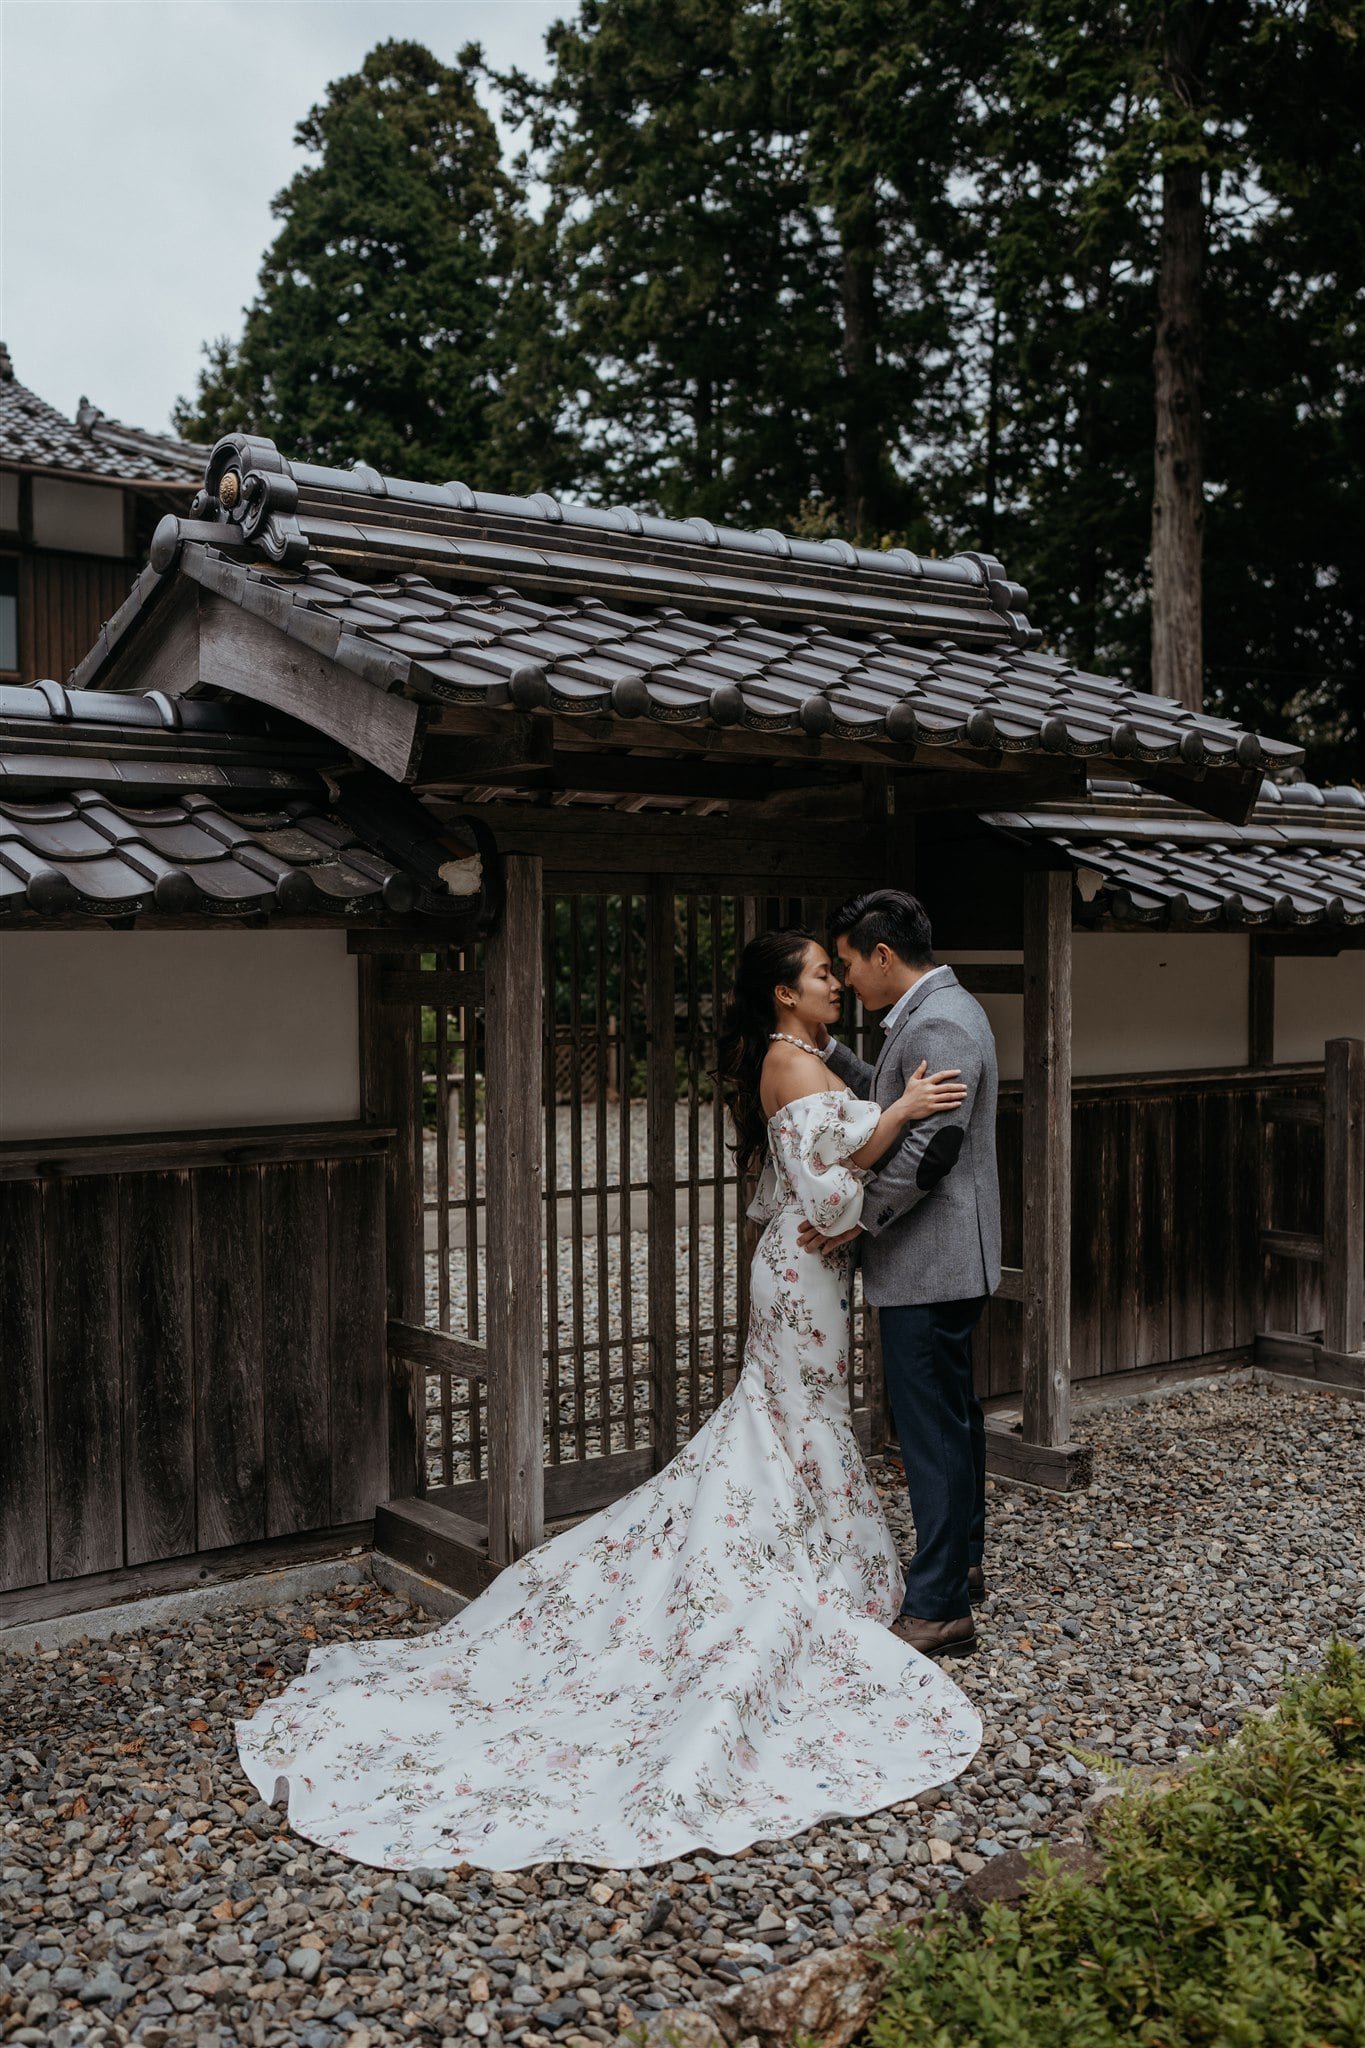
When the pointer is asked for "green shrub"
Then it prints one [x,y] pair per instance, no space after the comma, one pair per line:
[1231,1913]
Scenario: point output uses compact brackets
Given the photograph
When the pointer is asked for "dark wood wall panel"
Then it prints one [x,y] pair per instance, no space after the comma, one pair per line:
[1220,1234]
[63,602]
[84,1394]
[295,1328]
[1087,1244]
[229,1354]
[155,1291]
[192,1358]
[1121,1253]
[1187,1227]
[357,1337]
[23,1411]
[1170,1185]
[1155,1163]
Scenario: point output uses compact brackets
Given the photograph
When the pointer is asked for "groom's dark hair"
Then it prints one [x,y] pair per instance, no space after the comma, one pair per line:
[886,917]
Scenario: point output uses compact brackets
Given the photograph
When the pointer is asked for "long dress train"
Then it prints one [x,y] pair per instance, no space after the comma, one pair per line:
[703,1664]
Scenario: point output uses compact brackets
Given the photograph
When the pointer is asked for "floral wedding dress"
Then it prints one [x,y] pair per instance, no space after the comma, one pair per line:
[704,1664]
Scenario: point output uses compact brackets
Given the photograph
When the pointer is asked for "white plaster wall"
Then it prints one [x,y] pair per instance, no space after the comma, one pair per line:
[153,1031]
[1316,1000]
[1156,1003]
[82,519]
[1141,1004]
[1006,1014]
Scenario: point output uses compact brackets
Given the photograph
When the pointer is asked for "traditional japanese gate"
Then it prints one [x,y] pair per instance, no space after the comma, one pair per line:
[643,1242]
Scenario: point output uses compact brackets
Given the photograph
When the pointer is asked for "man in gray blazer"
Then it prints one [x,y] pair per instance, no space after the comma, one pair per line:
[930,1248]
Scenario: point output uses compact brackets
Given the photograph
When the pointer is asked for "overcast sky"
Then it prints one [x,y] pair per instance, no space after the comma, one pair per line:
[141,142]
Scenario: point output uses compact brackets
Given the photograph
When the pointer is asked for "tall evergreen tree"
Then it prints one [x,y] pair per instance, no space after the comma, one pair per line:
[698,318]
[379,329]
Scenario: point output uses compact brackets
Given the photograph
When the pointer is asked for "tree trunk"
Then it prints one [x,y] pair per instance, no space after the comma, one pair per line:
[992,485]
[1178,482]
[858,232]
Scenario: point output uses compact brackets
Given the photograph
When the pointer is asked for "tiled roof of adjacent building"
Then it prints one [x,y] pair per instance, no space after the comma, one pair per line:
[34,435]
[114,807]
[1142,860]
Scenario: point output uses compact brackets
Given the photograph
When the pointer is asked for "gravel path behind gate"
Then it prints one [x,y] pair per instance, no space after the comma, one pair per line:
[145,1895]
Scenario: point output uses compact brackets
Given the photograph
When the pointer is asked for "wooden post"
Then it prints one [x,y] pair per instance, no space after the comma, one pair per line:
[1047,1158]
[662,1172]
[1260,1005]
[391,1093]
[513,1080]
[1343,1218]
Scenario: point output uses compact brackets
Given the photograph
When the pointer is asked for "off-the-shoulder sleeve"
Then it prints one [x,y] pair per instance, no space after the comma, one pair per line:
[813,1137]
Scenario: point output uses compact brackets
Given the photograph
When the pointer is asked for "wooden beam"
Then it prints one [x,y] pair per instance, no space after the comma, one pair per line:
[1305,1358]
[167,1151]
[578,1486]
[662,1172]
[1343,1220]
[608,842]
[1291,1109]
[982,978]
[454,764]
[516,1478]
[391,1093]
[432,986]
[245,654]
[1311,945]
[38,1604]
[438,1351]
[519,744]
[1047,1158]
[1061,1468]
[1011,1286]
[1018,779]
[1260,1004]
[437,1543]
[1292,1244]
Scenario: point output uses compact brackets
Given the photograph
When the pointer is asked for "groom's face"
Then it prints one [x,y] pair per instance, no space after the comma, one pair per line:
[872,976]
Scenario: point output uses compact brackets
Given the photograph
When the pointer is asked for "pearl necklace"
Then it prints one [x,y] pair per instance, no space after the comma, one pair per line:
[787,1039]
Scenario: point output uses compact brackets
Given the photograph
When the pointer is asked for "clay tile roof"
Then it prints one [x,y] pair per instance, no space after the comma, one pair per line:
[1298,861]
[34,435]
[123,806]
[461,597]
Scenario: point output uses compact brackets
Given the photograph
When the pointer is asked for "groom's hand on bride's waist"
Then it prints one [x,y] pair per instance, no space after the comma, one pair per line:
[810,1240]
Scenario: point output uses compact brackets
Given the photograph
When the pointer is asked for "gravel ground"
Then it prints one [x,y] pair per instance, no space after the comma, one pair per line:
[145,1895]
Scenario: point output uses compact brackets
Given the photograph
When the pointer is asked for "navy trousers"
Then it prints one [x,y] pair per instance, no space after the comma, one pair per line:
[927,1354]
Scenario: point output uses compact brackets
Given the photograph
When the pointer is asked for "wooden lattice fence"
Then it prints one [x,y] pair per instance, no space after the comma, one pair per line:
[644,1240]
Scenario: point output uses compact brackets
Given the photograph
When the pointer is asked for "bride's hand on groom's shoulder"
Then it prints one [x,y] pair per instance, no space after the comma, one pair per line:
[927,1094]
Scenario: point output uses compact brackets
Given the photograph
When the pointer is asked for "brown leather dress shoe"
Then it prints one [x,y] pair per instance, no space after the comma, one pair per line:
[956,1638]
[976,1584]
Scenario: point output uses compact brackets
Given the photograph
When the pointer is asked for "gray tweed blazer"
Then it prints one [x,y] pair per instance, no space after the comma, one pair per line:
[931,1212]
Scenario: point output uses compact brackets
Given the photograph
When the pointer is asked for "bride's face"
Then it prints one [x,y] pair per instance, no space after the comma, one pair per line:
[816,997]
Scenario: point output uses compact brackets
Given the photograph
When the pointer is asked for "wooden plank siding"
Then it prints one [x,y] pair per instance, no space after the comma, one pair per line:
[1171,1177]
[63,602]
[193,1359]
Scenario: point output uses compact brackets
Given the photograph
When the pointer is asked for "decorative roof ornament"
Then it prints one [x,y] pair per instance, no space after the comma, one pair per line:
[249,483]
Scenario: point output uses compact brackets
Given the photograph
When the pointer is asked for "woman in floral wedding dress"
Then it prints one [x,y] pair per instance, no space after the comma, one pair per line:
[707,1662]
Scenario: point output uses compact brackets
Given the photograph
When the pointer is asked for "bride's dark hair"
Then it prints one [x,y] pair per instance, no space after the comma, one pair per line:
[769,962]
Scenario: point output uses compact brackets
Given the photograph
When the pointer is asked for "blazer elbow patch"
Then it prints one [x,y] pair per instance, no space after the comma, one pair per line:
[940,1156]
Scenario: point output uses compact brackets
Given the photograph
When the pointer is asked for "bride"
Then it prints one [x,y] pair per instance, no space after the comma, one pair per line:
[707,1662]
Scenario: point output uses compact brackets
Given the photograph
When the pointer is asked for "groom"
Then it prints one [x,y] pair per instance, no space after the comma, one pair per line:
[930,1249]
